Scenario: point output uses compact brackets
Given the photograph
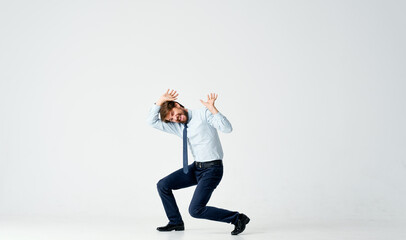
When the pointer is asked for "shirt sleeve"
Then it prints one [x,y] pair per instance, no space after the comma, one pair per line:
[218,121]
[154,121]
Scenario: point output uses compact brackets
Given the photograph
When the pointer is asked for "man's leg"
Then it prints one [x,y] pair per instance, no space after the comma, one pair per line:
[174,181]
[208,179]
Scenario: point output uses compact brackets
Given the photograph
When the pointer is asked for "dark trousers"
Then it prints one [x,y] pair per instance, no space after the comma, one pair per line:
[206,180]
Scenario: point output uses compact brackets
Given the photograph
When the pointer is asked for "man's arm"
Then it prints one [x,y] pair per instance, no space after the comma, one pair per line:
[153,117]
[216,119]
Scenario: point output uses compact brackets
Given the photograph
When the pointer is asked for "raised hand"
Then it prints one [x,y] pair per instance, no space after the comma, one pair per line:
[211,98]
[168,96]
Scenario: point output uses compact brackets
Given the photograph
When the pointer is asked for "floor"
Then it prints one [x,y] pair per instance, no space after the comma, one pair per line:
[57,228]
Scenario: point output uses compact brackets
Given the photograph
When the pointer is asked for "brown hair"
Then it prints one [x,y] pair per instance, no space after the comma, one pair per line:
[166,107]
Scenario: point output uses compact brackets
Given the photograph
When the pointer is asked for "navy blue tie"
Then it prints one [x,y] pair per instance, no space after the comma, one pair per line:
[185,160]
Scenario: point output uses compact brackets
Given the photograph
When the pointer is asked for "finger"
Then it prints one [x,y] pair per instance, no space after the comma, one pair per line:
[215,96]
[208,96]
[171,92]
[167,91]
[174,93]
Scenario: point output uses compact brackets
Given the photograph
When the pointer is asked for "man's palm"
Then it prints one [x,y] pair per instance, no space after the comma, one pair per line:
[211,98]
[168,96]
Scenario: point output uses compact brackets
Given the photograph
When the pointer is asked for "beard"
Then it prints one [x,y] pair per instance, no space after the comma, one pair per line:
[185,113]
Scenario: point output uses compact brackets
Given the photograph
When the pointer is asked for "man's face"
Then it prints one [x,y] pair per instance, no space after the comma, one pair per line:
[177,115]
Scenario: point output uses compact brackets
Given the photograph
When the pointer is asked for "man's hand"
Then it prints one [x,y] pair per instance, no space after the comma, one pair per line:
[168,96]
[211,98]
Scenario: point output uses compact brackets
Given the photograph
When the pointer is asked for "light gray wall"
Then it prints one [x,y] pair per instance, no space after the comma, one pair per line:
[315,91]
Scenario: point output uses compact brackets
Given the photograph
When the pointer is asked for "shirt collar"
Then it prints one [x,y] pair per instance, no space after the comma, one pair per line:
[189,116]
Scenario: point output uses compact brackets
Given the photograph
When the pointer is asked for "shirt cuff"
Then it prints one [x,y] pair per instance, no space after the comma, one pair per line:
[218,115]
[155,108]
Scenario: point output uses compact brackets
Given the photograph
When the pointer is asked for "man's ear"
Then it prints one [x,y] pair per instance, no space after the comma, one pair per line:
[177,105]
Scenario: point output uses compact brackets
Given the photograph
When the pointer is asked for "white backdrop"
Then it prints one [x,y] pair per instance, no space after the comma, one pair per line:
[315,91]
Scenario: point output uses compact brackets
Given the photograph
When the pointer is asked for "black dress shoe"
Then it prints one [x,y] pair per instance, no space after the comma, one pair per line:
[242,220]
[170,227]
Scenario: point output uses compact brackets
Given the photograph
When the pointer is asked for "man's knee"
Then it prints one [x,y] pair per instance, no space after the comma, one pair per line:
[161,185]
[196,211]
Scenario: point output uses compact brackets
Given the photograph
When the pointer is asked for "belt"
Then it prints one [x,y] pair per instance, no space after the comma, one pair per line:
[208,164]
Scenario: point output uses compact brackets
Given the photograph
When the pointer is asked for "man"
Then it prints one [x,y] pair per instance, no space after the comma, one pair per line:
[199,129]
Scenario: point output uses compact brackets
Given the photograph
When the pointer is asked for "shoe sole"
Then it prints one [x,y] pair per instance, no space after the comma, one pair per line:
[171,230]
[176,229]
[245,223]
